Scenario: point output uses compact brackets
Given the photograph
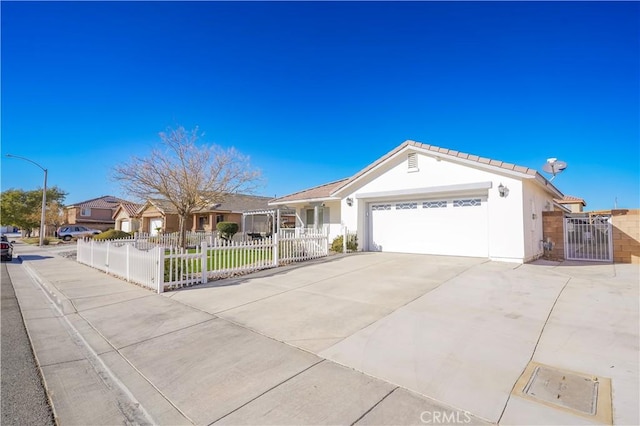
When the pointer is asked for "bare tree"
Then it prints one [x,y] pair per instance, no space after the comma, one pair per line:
[187,174]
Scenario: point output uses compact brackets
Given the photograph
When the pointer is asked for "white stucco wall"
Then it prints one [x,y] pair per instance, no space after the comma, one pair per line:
[506,242]
[535,201]
[504,215]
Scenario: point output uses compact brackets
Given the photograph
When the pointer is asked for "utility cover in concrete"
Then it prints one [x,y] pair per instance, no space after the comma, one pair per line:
[565,389]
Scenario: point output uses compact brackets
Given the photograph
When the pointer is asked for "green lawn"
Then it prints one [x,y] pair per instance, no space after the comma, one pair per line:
[223,259]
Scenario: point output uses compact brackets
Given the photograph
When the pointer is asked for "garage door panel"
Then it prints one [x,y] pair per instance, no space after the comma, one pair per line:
[447,227]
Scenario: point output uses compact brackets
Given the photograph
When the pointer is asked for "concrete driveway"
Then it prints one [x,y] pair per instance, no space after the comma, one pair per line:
[458,330]
[368,338]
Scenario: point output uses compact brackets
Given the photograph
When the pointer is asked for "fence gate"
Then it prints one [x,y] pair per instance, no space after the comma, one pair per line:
[588,237]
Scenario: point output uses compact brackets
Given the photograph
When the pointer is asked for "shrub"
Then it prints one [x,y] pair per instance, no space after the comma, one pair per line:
[227,229]
[45,241]
[172,270]
[352,243]
[112,234]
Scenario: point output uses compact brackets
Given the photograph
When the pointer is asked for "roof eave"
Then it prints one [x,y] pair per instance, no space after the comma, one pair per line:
[527,173]
[303,201]
[546,184]
[561,207]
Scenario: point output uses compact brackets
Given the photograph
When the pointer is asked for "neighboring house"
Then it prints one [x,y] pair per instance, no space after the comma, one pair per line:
[126,218]
[573,204]
[96,213]
[420,198]
[161,216]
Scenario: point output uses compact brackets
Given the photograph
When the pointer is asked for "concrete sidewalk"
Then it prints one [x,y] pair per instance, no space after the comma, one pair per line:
[114,353]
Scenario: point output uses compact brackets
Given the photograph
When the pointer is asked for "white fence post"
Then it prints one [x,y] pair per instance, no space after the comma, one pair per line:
[106,262]
[128,261]
[160,269]
[275,242]
[204,263]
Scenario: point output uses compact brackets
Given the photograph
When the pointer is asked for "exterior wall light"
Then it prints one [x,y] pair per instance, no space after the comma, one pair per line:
[503,190]
[349,202]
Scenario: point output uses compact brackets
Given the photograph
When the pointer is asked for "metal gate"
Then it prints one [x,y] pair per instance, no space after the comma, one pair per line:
[588,237]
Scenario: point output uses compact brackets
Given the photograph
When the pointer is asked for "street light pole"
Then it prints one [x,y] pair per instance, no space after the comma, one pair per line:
[44,197]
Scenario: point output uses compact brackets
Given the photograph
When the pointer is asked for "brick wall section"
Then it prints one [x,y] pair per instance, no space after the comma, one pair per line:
[626,236]
[553,230]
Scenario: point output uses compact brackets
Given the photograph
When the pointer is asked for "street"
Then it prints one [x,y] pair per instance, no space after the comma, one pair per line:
[23,397]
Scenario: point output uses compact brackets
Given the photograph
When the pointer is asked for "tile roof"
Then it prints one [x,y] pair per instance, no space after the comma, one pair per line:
[570,199]
[317,192]
[445,151]
[163,205]
[231,203]
[330,189]
[104,202]
[240,203]
[130,208]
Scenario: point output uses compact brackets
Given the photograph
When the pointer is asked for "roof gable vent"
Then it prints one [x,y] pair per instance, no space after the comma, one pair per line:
[412,161]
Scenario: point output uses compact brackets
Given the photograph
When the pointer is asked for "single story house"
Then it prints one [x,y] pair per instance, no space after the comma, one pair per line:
[160,216]
[96,213]
[421,198]
[126,217]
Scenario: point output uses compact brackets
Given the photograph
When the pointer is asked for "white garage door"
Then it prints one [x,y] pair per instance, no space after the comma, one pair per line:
[125,226]
[452,226]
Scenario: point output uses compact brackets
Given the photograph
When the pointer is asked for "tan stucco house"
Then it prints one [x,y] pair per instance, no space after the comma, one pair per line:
[160,216]
[96,213]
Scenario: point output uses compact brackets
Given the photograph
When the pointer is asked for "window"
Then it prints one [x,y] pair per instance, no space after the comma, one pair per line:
[219,218]
[406,206]
[375,207]
[202,221]
[323,217]
[85,211]
[412,162]
[467,202]
[434,204]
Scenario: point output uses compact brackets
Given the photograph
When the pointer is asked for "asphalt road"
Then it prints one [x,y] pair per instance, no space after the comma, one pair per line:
[24,400]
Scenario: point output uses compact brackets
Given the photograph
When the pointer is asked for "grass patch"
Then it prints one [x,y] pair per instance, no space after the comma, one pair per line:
[219,259]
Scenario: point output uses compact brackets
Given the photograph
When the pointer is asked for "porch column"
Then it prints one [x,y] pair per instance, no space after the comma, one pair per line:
[316,217]
[212,226]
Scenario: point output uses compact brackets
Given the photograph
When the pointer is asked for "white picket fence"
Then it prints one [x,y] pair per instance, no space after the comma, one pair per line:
[159,268]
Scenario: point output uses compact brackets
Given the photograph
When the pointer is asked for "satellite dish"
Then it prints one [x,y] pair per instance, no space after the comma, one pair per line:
[554,167]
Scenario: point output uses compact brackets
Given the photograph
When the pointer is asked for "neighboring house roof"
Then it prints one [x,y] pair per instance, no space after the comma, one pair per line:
[104,202]
[130,208]
[336,187]
[240,203]
[163,206]
[236,203]
[569,199]
[321,192]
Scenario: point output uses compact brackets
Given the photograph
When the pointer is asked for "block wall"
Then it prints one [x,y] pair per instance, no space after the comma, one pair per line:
[626,236]
[553,230]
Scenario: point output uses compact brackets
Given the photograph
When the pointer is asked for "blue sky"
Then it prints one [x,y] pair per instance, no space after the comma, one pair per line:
[315,91]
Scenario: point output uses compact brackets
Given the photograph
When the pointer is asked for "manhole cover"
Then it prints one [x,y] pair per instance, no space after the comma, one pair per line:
[577,393]
[565,389]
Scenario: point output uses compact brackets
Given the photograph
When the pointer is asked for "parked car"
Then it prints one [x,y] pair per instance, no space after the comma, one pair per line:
[67,232]
[6,248]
